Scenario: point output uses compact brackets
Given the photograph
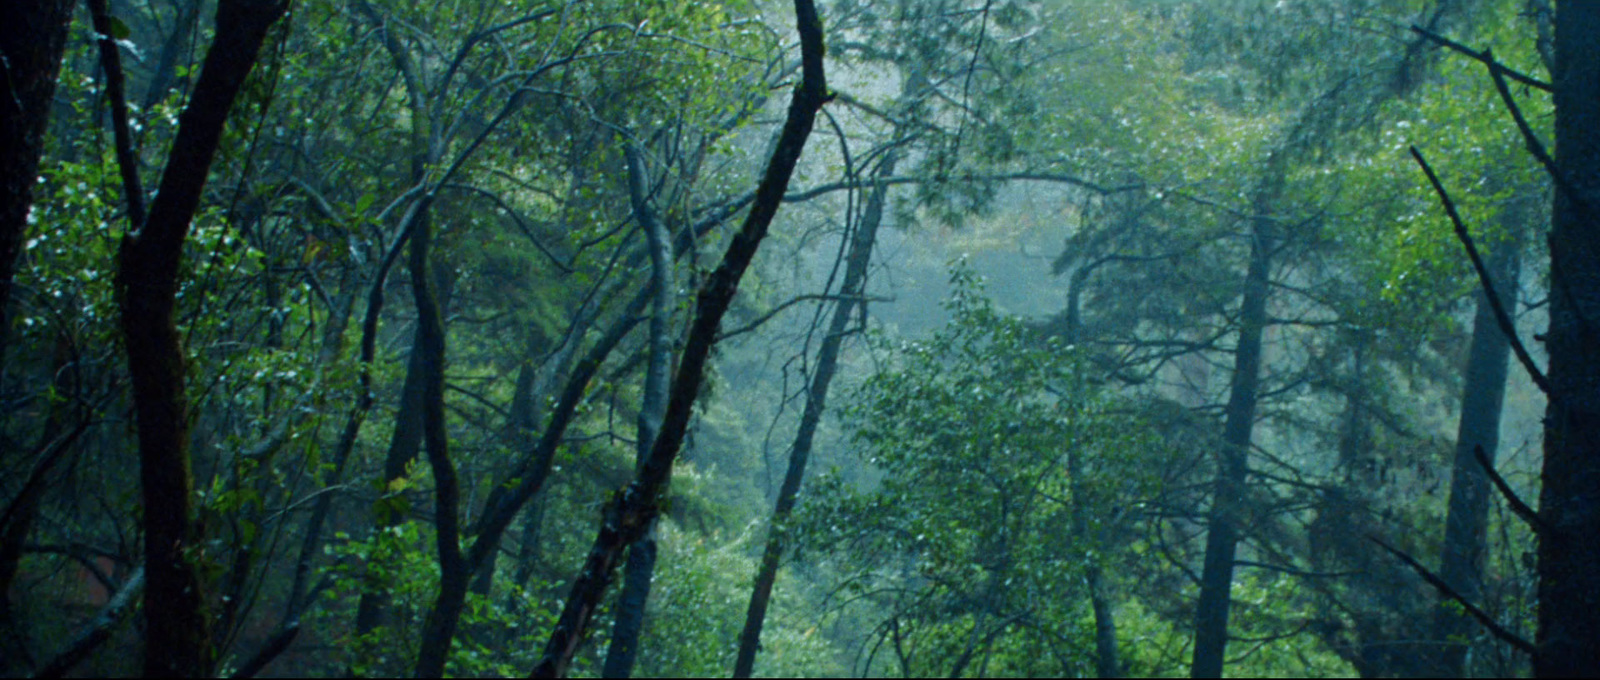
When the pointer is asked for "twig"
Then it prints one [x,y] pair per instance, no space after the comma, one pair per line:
[792,302]
[1517,505]
[1500,314]
[1495,629]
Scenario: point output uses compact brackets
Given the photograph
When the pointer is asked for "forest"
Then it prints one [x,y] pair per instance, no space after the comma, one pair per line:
[967,338]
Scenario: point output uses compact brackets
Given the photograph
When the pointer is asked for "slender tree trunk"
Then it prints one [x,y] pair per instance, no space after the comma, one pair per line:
[439,630]
[629,622]
[629,514]
[311,542]
[410,426]
[857,259]
[33,34]
[1105,623]
[1222,536]
[1569,501]
[1483,394]
[177,634]
[165,74]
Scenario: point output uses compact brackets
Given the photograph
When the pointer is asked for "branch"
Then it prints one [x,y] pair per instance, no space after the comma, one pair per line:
[98,630]
[632,510]
[1293,572]
[792,302]
[1517,505]
[116,97]
[1500,314]
[1485,56]
[1531,141]
[1495,629]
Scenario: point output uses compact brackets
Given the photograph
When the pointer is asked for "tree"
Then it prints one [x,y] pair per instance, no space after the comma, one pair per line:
[1569,557]
[31,43]
[1001,465]
[178,641]
[629,513]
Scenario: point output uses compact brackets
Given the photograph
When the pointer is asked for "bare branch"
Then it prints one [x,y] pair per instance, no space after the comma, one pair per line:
[98,631]
[1517,505]
[792,302]
[1489,623]
[1500,314]
[1485,56]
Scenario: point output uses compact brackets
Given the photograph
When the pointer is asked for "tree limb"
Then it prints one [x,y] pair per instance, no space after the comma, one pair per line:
[1488,622]
[1485,56]
[97,632]
[1517,505]
[1487,282]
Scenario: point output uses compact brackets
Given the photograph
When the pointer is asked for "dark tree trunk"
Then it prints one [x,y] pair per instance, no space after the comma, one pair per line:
[1222,535]
[177,636]
[630,512]
[1483,394]
[854,286]
[1569,502]
[454,575]
[33,34]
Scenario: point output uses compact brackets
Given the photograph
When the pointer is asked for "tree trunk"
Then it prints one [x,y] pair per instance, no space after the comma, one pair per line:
[177,635]
[439,630]
[1222,536]
[33,34]
[1105,623]
[854,286]
[1569,502]
[629,622]
[1466,521]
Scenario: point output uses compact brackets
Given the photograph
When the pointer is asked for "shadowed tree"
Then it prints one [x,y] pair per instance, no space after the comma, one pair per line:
[1569,555]
[177,637]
